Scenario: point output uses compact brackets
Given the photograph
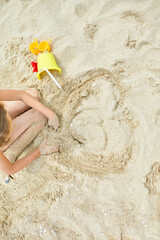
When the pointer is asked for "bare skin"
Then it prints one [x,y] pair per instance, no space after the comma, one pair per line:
[15,108]
[25,125]
[22,121]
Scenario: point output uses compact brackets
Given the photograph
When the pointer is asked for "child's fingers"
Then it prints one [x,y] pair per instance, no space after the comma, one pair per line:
[55,148]
[52,148]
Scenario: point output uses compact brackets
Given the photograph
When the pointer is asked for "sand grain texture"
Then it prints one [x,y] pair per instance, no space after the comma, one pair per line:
[105,182]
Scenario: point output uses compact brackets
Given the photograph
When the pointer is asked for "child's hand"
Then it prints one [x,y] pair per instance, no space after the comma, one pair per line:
[46,149]
[53,121]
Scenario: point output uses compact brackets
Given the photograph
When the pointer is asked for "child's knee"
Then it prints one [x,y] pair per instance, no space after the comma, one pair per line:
[36,115]
[38,124]
[40,116]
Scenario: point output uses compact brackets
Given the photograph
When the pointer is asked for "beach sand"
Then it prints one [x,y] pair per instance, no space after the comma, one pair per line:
[104,184]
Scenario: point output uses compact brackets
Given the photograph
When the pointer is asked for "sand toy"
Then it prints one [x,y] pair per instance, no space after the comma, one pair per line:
[46,62]
[34,65]
[44,46]
[34,47]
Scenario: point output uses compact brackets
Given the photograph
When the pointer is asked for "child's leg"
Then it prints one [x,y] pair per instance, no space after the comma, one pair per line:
[21,123]
[24,140]
[15,108]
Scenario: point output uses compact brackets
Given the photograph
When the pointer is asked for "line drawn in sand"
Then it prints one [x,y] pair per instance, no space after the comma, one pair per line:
[98,125]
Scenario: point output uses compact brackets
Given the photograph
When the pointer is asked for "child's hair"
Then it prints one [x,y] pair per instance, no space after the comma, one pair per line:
[4,126]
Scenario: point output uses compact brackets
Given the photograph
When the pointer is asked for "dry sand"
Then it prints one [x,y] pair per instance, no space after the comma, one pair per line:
[105,182]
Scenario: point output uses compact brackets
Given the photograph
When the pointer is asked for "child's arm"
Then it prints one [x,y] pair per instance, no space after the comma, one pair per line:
[34,103]
[10,95]
[13,95]
[11,168]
